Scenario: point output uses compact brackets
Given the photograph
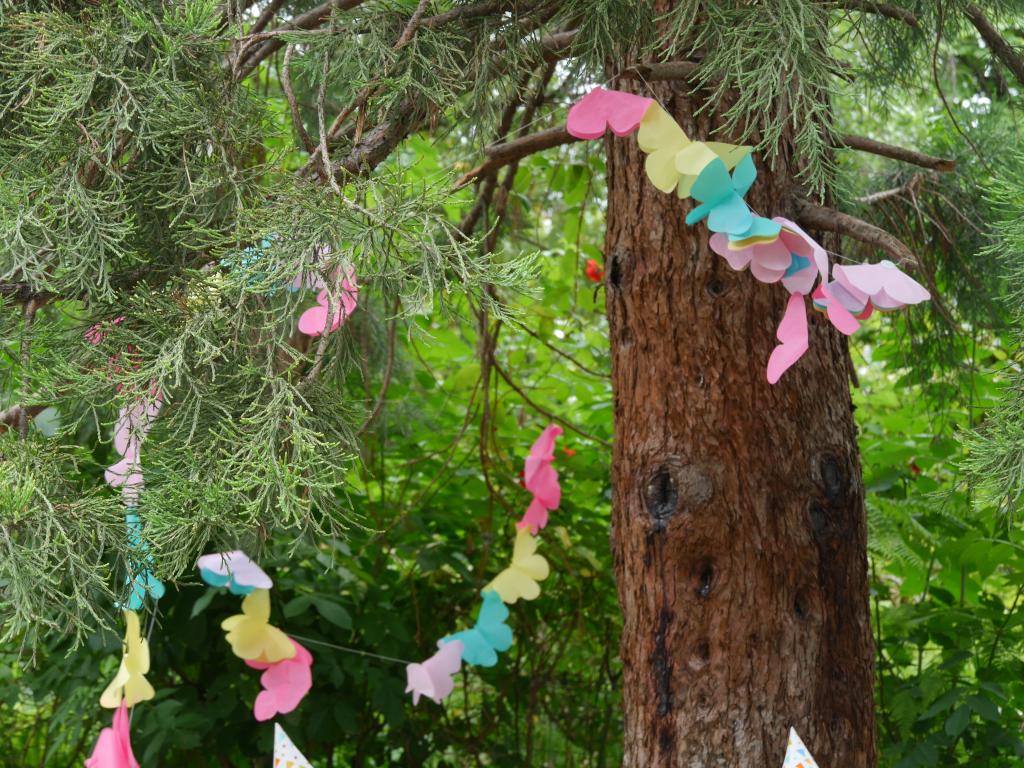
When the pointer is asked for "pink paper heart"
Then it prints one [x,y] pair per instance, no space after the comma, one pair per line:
[601,109]
[313,321]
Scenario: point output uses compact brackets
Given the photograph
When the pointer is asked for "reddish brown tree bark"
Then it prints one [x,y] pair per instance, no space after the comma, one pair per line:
[739,528]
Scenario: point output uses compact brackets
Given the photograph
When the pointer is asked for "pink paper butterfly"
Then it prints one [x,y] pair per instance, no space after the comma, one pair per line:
[884,284]
[285,683]
[792,334]
[313,321]
[433,678]
[794,257]
[601,109]
[114,746]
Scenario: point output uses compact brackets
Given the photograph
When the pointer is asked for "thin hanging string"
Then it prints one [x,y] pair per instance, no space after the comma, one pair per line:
[346,649]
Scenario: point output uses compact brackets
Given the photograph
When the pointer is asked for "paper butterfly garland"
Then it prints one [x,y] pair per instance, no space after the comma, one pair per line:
[114,746]
[129,685]
[285,753]
[233,570]
[285,683]
[251,636]
[775,250]
[433,678]
[797,755]
[490,635]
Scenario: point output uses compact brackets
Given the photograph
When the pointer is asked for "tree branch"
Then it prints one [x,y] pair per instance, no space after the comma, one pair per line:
[1001,49]
[13,416]
[505,153]
[863,144]
[544,411]
[829,220]
[883,9]
[311,19]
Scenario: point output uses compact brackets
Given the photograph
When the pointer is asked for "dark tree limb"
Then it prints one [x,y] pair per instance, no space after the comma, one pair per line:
[829,220]
[1000,47]
[883,9]
[266,16]
[16,414]
[864,144]
[500,155]
[311,19]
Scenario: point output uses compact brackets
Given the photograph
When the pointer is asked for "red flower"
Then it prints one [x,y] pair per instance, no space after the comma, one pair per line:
[569,451]
[594,271]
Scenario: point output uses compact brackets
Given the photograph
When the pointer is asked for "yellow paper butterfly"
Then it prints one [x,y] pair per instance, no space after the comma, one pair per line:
[130,682]
[673,160]
[250,634]
[520,579]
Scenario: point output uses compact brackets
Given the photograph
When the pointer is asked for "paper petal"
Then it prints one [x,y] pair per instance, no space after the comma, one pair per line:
[792,333]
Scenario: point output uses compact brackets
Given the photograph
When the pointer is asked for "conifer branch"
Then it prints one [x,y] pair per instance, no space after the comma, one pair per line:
[864,144]
[998,44]
[825,219]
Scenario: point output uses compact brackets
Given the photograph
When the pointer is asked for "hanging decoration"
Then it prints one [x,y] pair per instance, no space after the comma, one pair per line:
[490,635]
[286,665]
[114,746]
[129,686]
[775,250]
[286,755]
[797,755]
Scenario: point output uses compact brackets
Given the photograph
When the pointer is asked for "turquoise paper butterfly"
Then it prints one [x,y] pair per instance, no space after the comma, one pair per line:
[216,580]
[490,635]
[721,197]
[143,583]
[761,227]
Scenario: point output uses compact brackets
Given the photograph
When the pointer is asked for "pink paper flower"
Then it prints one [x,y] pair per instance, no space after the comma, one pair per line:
[114,746]
[285,683]
[794,257]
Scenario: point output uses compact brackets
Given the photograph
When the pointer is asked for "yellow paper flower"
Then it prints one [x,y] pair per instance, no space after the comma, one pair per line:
[130,682]
[250,634]
[520,579]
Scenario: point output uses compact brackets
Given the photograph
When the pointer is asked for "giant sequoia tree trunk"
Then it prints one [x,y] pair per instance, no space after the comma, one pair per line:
[739,528]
